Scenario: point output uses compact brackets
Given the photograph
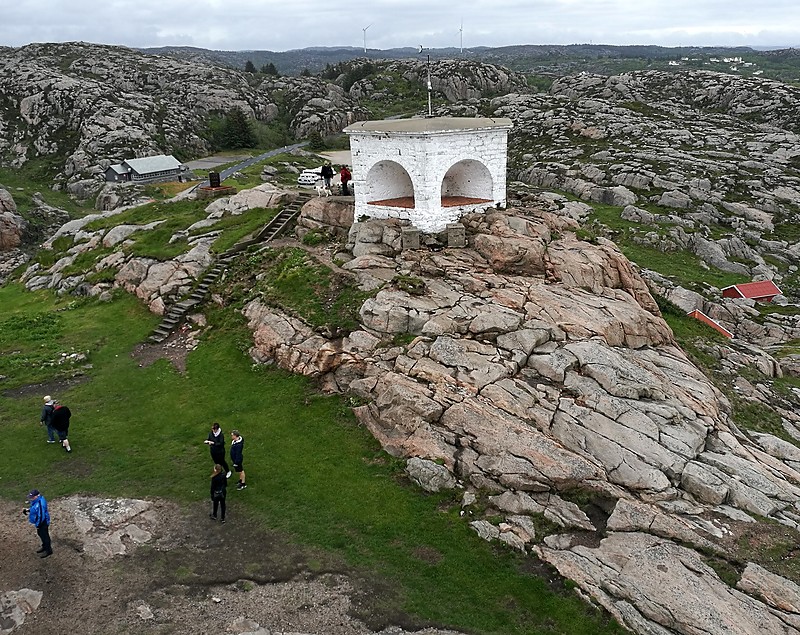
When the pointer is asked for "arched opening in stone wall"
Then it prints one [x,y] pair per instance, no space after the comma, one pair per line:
[465,183]
[389,184]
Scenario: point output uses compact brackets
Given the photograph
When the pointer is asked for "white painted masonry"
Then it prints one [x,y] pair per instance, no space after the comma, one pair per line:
[426,159]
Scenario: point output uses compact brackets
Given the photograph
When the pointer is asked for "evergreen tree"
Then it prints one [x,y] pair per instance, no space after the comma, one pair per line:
[237,131]
[249,67]
[315,142]
[305,73]
[330,72]
[269,69]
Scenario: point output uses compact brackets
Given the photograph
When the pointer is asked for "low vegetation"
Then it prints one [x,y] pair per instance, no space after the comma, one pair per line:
[315,476]
[293,280]
[682,267]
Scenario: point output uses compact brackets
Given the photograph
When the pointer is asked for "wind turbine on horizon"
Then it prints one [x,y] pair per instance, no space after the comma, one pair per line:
[461,36]
[365,35]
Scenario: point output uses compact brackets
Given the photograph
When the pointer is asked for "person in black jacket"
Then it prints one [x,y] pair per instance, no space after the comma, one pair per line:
[237,450]
[216,442]
[327,173]
[60,423]
[219,491]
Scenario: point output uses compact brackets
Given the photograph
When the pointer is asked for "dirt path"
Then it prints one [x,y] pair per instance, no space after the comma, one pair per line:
[154,567]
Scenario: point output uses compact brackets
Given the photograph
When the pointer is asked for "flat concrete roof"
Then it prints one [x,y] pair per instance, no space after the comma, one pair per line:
[423,125]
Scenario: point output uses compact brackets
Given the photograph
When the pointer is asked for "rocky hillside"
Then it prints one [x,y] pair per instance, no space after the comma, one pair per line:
[539,371]
[95,105]
[696,162]
[86,106]
[453,80]
[550,60]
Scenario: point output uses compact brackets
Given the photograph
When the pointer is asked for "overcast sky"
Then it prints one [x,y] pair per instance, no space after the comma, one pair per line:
[291,24]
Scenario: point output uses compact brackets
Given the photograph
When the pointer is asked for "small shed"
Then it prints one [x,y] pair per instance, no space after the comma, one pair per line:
[699,315]
[431,170]
[761,291]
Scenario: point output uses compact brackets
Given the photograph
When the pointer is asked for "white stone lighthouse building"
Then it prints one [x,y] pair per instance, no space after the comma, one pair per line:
[429,171]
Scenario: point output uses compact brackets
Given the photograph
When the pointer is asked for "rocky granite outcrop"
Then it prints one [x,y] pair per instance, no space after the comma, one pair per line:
[12,225]
[525,386]
[455,80]
[98,105]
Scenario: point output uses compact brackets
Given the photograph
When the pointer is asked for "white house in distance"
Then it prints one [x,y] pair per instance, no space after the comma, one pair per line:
[155,168]
[429,171]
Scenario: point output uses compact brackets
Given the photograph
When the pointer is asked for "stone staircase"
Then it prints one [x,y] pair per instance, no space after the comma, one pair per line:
[177,312]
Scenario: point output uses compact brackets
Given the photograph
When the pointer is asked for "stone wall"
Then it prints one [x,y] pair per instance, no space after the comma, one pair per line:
[460,162]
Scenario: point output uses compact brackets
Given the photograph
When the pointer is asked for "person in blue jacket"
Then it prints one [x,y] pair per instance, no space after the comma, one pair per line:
[39,517]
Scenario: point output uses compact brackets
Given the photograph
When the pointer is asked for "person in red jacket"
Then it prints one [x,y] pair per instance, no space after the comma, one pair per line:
[345,176]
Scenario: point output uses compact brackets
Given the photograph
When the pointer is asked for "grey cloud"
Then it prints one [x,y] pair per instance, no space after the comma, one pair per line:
[270,24]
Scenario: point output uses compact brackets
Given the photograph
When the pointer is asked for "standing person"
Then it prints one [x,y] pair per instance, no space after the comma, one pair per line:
[47,418]
[216,441]
[219,490]
[345,176]
[327,174]
[237,449]
[39,517]
[61,415]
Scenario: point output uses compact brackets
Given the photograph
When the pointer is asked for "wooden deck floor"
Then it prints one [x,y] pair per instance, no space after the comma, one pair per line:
[407,202]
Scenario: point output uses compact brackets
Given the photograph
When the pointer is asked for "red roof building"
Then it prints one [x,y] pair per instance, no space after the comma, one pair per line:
[699,315]
[762,291]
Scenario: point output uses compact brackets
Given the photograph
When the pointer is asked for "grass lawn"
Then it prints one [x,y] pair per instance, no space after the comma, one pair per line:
[315,475]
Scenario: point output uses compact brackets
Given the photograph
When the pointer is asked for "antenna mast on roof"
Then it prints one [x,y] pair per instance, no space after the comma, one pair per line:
[430,111]
[365,36]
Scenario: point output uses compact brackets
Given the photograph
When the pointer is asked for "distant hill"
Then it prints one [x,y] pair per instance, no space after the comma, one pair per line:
[783,64]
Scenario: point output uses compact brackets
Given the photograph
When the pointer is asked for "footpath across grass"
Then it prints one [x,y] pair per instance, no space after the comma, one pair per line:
[315,475]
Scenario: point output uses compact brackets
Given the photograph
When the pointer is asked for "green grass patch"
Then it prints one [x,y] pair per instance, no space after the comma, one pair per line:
[36,177]
[754,416]
[684,327]
[726,571]
[86,261]
[681,267]
[235,228]
[40,334]
[48,257]
[293,280]
[162,191]
[315,475]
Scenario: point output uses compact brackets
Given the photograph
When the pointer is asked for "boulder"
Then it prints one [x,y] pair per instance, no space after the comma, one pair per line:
[430,476]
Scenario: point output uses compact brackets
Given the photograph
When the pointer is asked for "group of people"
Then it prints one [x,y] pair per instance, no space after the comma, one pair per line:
[344,175]
[222,472]
[57,423]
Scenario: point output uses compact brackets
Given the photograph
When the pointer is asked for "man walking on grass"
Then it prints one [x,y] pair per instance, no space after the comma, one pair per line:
[47,418]
[39,517]
[237,449]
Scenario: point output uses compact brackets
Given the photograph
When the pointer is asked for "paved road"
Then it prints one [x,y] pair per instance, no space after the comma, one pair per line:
[246,164]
